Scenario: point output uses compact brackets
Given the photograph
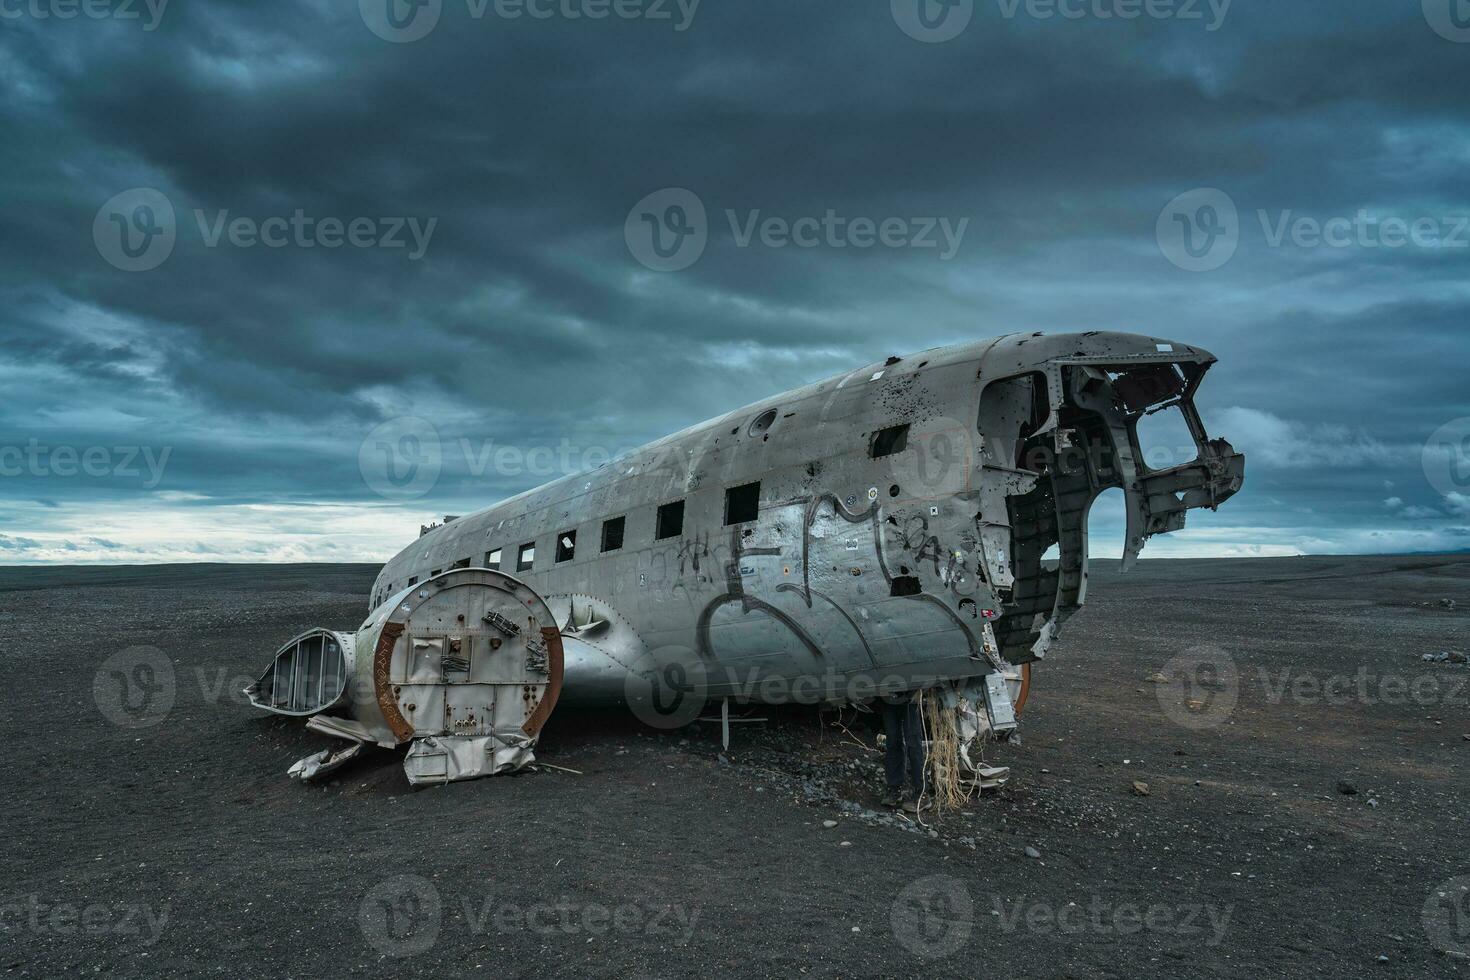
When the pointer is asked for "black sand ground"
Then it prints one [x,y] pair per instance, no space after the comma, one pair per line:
[181,848]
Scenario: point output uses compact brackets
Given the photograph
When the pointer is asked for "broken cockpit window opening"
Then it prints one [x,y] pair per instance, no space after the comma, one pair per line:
[1139,388]
[566,546]
[527,557]
[612,534]
[670,523]
[889,442]
[1012,410]
[742,504]
[1164,439]
[492,560]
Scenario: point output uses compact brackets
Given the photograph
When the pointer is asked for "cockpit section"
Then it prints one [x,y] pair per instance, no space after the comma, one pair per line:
[1052,441]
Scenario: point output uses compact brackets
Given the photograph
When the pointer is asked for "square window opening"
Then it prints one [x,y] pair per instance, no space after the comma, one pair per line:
[492,560]
[670,522]
[612,533]
[566,546]
[526,558]
[742,503]
[889,442]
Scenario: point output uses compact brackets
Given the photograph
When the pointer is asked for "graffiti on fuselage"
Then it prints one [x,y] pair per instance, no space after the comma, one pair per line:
[916,543]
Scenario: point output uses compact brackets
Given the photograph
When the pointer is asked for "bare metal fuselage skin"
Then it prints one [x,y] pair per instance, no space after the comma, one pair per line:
[902,514]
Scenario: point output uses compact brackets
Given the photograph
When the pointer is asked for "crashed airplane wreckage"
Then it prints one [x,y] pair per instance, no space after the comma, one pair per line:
[880,531]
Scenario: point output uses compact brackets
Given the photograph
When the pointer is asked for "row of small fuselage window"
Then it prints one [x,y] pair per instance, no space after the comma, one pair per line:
[742,504]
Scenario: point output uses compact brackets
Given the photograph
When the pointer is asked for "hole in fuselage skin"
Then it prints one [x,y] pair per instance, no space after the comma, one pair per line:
[893,491]
[905,585]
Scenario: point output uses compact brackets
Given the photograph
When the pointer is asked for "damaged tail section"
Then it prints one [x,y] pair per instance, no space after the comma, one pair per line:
[464,669]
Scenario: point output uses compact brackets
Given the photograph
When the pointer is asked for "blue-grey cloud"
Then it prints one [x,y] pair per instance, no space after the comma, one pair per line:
[527,323]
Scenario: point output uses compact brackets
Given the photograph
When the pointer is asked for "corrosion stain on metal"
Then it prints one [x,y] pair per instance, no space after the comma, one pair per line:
[387,698]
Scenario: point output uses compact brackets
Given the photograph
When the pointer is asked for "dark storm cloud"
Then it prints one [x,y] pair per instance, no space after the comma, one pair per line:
[526,142]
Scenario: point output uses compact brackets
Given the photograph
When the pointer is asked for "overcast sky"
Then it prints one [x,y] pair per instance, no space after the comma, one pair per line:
[247,245]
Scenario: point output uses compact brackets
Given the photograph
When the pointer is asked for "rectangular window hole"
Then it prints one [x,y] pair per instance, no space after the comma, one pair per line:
[889,442]
[742,503]
[670,521]
[612,533]
[566,546]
